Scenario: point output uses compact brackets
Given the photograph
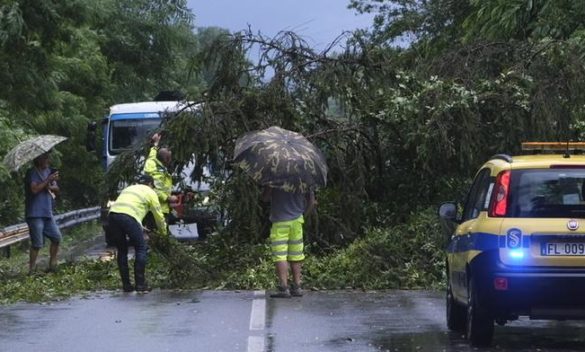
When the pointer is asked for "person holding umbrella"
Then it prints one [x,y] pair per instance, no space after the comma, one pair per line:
[289,167]
[287,212]
[40,189]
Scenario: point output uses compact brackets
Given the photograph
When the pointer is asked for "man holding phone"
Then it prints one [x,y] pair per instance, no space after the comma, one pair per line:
[40,189]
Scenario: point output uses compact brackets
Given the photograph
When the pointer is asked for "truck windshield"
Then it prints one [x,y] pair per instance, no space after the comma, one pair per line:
[125,133]
[547,193]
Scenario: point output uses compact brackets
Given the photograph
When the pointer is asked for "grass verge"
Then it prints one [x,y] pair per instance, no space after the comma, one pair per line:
[406,256]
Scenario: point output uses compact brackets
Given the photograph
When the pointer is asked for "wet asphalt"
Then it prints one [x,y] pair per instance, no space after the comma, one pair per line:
[251,321]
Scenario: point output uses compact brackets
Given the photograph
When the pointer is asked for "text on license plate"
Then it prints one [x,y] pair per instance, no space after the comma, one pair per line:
[562,248]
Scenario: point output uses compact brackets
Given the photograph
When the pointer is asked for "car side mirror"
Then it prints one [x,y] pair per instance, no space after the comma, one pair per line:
[448,218]
[448,211]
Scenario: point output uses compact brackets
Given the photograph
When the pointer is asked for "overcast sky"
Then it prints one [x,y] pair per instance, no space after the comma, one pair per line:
[319,22]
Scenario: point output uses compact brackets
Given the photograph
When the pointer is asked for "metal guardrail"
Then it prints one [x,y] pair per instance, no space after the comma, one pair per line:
[19,232]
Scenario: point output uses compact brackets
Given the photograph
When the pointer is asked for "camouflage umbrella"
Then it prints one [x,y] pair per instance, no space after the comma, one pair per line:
[282,159]
[30,149]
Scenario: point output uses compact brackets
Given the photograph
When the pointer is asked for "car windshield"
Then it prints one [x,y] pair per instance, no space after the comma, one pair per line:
[547,193]
[125,133]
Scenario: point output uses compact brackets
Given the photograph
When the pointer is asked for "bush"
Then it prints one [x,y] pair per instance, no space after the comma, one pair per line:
[405,256]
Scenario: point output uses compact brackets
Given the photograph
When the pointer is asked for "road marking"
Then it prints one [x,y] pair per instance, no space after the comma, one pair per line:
[257,322]
[258,315]
[255,344]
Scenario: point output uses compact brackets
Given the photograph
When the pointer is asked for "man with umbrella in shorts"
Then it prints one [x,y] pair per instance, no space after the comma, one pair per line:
[287,211]
[40,189]
[289,167]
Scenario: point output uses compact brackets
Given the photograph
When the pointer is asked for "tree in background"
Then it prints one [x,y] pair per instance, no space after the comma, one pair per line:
[148,45]
[62,63]
[402,126]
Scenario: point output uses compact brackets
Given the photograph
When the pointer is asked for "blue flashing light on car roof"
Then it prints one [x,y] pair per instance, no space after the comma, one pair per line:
[517,254]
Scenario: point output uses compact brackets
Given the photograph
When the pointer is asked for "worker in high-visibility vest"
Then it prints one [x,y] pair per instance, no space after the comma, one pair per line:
[157,165]
[125,222]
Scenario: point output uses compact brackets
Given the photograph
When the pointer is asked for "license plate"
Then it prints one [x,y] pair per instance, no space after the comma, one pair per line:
[562,248]
[184,231]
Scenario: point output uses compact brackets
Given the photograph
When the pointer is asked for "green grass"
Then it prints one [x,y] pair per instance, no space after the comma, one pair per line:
[71,278]
[406,256]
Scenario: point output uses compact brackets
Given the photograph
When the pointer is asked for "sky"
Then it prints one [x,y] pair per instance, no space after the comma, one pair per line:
[319,22]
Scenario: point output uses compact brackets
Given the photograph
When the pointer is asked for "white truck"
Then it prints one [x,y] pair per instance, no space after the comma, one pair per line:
[131,123]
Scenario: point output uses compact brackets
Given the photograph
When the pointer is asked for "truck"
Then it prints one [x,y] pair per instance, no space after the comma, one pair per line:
[128,124]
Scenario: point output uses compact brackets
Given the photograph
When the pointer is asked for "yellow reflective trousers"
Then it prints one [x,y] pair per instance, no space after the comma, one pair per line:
[286,240]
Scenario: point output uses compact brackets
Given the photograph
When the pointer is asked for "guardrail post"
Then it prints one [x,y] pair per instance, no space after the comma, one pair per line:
[6,251]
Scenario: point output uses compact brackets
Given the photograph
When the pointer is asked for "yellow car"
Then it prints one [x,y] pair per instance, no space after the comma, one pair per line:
[518,246]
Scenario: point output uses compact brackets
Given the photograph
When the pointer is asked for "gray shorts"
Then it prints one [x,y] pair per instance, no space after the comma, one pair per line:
[39,228]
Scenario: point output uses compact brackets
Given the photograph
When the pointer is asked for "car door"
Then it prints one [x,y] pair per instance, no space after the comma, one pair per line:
[461,247]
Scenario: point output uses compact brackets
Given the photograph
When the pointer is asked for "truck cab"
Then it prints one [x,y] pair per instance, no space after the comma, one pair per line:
[131,123]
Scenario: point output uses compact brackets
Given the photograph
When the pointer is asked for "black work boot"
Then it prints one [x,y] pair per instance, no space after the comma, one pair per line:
[296,290]
[125,276]
[141,285]
[281,292]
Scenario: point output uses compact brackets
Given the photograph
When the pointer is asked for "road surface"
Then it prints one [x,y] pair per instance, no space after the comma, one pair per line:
[249,321]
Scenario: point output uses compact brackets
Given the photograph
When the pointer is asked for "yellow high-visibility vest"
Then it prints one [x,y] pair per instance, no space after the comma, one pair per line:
[163,181]
[137,201]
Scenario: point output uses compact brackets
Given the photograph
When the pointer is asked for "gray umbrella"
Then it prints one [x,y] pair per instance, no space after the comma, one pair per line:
[30,149]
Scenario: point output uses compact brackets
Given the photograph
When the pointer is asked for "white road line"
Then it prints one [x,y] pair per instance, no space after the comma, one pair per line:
[258,315]
[255,344]
[257,322]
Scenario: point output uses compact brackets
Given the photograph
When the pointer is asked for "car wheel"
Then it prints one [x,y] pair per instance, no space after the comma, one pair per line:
[480,324]
[456,313]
